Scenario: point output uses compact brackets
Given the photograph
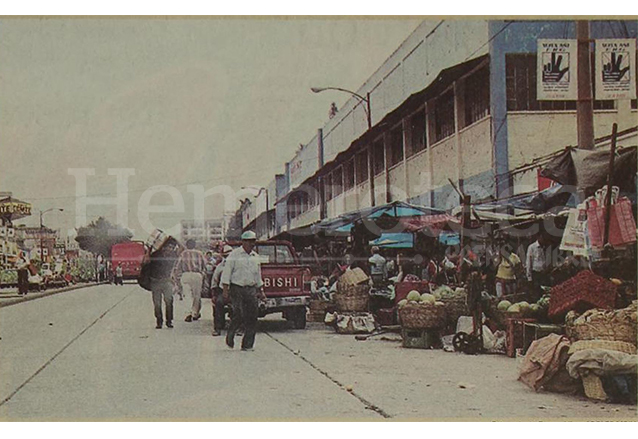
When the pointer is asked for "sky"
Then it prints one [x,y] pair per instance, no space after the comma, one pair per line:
[222,103]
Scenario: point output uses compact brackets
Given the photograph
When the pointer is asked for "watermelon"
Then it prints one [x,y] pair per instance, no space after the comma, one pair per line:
[414,295]
[427,298]
[503,305]
[514,308]
[402,303]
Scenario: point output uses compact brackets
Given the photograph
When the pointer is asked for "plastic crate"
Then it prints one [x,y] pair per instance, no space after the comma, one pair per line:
[584,291]
[419,338]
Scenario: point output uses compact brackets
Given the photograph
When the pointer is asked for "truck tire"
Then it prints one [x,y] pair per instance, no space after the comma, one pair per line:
[298,317]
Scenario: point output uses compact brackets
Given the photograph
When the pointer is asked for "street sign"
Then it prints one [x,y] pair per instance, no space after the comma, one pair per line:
[557,70]
[616,69]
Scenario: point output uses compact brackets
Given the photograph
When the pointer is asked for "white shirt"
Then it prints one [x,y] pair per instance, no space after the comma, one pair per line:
[535,259]
[377,264]
[242,269]
[217,274]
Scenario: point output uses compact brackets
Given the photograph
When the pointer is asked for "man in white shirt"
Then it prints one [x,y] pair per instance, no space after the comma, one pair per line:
[378,267]
[241,280]
[219,313]
[537,266]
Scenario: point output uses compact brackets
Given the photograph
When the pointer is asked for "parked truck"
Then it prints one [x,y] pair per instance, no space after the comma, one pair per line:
[130,254]
[286,281]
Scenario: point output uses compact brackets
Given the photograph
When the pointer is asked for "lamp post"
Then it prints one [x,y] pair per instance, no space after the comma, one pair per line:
[42,230]
[369,118]
[259,189]
[356,95]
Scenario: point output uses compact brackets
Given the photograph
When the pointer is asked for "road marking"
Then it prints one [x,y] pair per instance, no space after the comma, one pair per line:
[44,366]
[368,405]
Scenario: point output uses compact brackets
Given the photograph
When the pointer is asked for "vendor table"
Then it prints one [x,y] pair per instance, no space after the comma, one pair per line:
[515,334]
[534,331]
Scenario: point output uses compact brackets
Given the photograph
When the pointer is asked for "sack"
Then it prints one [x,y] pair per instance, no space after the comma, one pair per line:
[144,279]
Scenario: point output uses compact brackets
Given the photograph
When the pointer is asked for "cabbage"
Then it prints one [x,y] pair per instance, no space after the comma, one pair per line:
[504,305]
[414,295]
[443,290]
[402,303]
[427,298]
[524,306]
[514,308]
[534,308]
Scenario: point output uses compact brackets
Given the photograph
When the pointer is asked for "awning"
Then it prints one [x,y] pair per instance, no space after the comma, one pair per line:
[13,209]
[394,240]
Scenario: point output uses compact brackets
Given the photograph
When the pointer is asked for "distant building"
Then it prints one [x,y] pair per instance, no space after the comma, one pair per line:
[203,232]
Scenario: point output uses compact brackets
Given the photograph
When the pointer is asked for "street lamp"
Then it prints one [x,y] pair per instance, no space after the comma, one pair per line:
[356,95]
[42,230]
[259,189]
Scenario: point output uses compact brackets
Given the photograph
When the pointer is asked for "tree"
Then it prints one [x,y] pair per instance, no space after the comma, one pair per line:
[100,235]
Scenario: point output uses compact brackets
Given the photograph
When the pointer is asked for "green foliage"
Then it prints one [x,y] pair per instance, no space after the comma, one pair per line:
[100,235]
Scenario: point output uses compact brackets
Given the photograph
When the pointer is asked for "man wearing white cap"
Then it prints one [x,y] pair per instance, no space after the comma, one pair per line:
[219,314]
[241,280]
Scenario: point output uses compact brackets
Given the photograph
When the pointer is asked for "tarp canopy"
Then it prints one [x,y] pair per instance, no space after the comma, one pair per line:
[394,240]
[587,170]
[397,209]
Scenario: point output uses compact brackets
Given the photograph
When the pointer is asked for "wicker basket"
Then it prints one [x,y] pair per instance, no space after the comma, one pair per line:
[352,298]
[617,325]
[594,387]
[620,346]
[422,316]
[455,307]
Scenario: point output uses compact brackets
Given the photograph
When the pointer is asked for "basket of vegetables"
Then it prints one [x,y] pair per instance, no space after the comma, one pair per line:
[421,311]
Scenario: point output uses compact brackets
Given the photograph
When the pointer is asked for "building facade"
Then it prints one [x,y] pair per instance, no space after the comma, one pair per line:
[203,232]
[454,105]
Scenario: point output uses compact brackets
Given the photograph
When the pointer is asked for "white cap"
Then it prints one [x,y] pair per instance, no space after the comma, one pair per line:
[248,236]
[227,249]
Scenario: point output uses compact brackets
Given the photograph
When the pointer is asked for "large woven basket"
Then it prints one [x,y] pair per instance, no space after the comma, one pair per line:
[617,325]
[422,316]
[455,307]
[593,387]
[620,346]
[352,298]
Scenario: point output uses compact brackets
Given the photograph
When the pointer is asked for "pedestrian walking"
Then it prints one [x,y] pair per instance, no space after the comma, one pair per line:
[378,268]
[219,306]
[538,266]
[119,275]
[161,263]
[189,273]
[23,275]
[241,280]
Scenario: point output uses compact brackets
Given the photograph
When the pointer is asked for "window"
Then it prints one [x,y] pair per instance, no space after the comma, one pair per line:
[362,166]
[378,156]
[337,181]
[520,82]
[395,151]
[417,133]
[348,175]
[477,96]
[444,116]
[266,253]
[327,186]
[284,256]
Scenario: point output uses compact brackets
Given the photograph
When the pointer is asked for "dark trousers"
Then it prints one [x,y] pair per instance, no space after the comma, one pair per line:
[118,280]
[23,281]
[245,311]
[219,312]
[162,288]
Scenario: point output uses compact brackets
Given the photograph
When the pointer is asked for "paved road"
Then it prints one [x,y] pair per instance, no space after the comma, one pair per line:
[94,354]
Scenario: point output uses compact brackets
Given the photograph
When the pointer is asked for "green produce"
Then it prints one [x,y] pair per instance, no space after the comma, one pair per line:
[534,308]
[504,305]
[427,298]
[402,303]
[414,295]
[524,306]
[439,303]
[514,308]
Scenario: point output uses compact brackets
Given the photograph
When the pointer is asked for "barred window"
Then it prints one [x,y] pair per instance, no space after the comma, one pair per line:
[379,160]
[444,116]
[396,146]
[348,175]
[477,95]
[327,186]
[417,133]
[337,181]
[362,166]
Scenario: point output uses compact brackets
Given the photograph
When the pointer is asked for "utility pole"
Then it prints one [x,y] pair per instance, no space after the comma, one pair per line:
[585,103]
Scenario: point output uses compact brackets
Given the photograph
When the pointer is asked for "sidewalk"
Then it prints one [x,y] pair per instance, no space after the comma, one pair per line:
[10,296]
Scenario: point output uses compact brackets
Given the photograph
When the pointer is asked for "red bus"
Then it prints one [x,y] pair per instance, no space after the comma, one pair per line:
[130,254]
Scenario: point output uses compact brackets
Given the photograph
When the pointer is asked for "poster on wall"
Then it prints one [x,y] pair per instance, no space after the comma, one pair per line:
[557,69]
[616,69]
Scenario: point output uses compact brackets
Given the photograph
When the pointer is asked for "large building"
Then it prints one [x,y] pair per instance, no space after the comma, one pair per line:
[455,104]
[203,232]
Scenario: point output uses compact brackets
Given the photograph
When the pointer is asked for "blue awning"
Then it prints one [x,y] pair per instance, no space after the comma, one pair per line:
[394,240]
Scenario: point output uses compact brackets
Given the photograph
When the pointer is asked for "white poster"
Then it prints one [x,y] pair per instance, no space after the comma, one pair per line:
[616,69]
[557,70]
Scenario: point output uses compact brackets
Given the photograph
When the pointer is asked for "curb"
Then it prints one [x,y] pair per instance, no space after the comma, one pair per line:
[33,296]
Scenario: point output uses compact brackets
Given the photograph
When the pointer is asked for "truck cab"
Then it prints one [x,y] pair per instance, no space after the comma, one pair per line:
[286,281]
